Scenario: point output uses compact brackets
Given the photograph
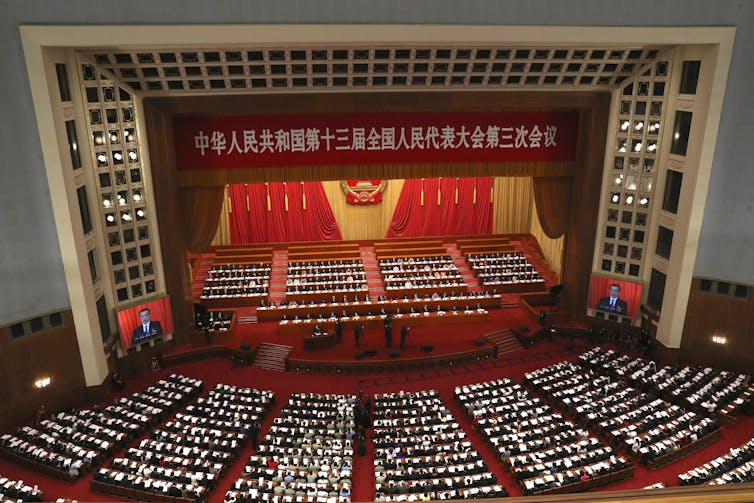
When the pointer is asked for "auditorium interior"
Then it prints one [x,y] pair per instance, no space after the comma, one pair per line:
[539,289]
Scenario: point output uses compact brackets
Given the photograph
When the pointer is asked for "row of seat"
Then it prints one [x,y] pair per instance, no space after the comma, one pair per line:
[500,268]
[543,451]
[737,465]
[421,452]
[655,431]
[236,280]
[69,444]
[323,277]
[306,456]
[704,389]
[186,456]
[14,491]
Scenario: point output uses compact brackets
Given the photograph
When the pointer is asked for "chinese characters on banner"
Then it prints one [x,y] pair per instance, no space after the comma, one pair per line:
[232,142]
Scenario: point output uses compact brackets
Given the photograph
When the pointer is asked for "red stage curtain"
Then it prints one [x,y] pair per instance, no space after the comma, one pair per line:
[240,224]
[483,210]
[321,212]
[128,319]
[448,218]
[553,199]
[201,207]
[257,213]
[307,215]
[407,215]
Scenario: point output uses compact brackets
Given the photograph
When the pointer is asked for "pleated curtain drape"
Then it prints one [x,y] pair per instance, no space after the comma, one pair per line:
[201,207]
[240,225]
[552,196]
[443,207]
[281,212]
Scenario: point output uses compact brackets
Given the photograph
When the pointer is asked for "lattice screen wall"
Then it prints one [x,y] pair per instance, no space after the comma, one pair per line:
[632,176]
[114,144]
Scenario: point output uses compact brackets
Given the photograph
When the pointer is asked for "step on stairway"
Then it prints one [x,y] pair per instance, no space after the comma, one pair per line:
[271,356]
[200,274]
[249,315]
[505,341]
[375,283]
[278,275]
[472,282]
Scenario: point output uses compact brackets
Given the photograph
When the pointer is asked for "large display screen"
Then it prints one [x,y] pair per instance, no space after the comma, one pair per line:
[614,296]
[145,321]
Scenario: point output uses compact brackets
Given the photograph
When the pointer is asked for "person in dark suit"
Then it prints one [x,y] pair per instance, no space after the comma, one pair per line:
[613,303]
[388,330]
[338,331]
[147,328]
[357,335]
[404,336]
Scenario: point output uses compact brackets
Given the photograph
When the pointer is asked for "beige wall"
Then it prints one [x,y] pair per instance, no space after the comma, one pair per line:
[369,221]
[512,200]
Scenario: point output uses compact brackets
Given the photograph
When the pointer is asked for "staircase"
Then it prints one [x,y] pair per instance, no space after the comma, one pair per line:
[372,269]
[472,283]
[200,271]
[271,356]
[533,252]
[505,341]
[278,275]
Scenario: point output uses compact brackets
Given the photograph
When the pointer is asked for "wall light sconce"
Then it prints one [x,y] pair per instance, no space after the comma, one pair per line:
[42,382]
[719,339]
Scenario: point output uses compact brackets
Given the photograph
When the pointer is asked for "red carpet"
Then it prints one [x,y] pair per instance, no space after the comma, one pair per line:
[444,380]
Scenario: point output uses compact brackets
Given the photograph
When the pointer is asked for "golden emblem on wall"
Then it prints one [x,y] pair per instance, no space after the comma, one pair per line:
[363,191]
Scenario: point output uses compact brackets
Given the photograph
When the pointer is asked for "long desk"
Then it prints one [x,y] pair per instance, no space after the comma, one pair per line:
[319,296]
[390,306]
[229,302]
[377,321]
[394,293]
[528,286]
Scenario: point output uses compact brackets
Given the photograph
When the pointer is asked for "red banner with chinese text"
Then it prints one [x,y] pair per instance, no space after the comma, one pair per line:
[249,141]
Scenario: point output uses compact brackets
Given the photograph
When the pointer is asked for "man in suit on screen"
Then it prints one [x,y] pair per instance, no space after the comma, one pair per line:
[147,328]
[613,303]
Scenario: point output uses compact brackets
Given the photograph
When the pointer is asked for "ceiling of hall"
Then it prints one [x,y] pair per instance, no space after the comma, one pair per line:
[241,69]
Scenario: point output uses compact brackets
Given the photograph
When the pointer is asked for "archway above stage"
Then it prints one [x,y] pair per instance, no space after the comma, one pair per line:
[585,169]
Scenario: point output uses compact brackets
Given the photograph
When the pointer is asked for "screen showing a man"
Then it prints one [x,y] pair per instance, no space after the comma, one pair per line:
[612,302]
[147,327]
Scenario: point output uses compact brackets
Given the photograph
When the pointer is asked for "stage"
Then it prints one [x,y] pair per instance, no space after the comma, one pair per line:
[447,340]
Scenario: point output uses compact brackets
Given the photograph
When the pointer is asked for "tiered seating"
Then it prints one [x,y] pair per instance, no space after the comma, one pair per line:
[228,408]
[186,456]
[544,452]
[13,491]
[700,388]
[656,431]
[736,466]
[68,445]
[717,392]
[414,274]
[322,279]
[306,457]
[235,280]
[422,453]
[507,271]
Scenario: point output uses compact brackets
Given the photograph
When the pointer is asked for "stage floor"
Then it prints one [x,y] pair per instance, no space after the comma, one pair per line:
[446,339]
